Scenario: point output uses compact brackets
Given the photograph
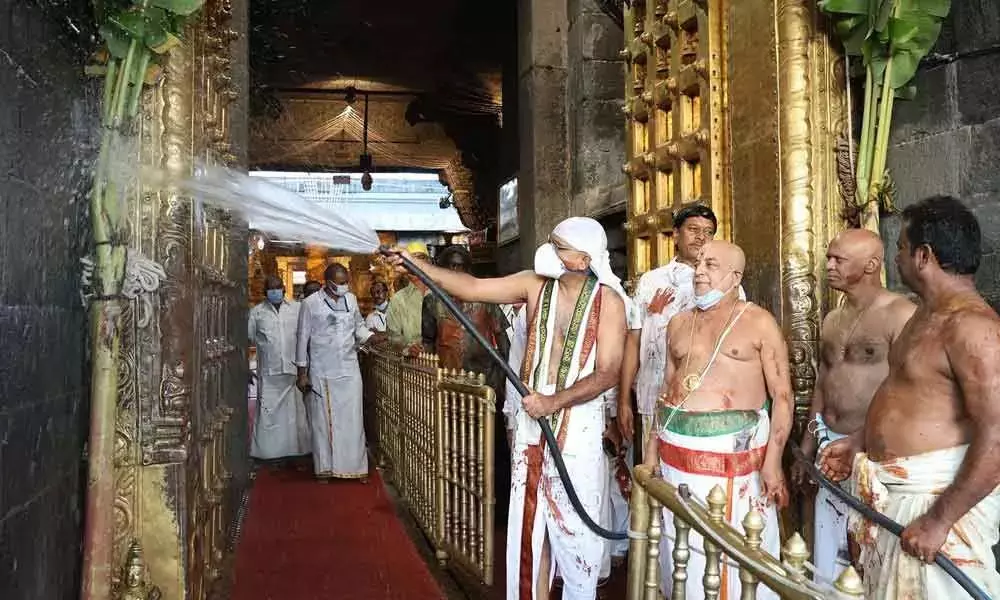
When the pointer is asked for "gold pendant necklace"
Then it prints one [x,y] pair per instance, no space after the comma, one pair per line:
[692,381]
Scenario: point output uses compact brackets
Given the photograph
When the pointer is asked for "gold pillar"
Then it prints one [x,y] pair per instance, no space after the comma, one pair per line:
[182,375]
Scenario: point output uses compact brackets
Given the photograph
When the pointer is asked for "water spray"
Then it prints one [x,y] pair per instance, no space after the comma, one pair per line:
[514,378]
[280,211]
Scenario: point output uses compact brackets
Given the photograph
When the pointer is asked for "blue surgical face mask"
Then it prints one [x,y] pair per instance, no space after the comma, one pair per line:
[382,306]
[275,296]
[711,298]
[707,301]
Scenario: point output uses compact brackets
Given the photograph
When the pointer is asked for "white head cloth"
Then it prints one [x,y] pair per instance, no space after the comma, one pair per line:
[587,235]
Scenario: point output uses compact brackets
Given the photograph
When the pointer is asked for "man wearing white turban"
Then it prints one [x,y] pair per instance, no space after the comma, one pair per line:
[576,332]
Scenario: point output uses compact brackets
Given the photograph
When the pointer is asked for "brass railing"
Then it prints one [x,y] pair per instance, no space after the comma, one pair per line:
[433,437]
[787,577]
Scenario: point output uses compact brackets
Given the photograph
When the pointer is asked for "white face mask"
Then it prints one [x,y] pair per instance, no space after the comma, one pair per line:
[382,306]
[711,297]
[547,263]
[339,290]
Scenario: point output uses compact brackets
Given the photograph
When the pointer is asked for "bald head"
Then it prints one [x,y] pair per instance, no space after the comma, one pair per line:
[728,254]
[860,242]
[854,258]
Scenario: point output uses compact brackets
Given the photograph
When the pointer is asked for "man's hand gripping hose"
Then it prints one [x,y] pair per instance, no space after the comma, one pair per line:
[886,523]
[550,438]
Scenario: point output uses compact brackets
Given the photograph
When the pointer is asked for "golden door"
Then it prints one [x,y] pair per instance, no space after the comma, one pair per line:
[738,105]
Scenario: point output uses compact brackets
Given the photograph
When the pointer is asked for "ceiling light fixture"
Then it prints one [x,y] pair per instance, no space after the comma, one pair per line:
[367,164]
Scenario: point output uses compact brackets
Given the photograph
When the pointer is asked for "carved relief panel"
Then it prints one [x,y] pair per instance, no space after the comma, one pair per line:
[676,122]
[183,372]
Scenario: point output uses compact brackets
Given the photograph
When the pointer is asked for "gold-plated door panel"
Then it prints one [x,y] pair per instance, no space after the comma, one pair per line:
[182,375]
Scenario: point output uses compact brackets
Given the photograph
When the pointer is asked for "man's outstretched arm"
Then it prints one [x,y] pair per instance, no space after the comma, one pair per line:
[511,289]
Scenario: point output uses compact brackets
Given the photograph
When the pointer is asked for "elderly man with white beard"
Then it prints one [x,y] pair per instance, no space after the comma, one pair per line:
[576,331]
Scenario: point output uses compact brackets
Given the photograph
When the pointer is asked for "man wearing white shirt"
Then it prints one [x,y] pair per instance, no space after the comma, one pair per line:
[330,330]
[380,302]
[660,294]
[281,427]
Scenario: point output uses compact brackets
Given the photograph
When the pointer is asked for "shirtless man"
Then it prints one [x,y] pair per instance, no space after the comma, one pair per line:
[854,343]
[713,425]
[928,456]
[576,331]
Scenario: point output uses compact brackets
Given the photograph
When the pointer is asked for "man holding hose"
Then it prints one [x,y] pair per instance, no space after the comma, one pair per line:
[576,331]
[928,456]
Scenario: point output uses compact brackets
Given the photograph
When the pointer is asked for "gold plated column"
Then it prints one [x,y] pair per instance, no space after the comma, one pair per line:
[183,370]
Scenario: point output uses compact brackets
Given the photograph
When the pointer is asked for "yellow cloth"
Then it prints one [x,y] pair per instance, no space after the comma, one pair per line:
[403,317]
[417,248]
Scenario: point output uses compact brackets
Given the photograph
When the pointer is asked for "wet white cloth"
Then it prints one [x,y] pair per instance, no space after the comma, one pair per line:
[280,425]
[515,358]
[831,554]
[731,461]
[903,489]
[537,493]
[330,330]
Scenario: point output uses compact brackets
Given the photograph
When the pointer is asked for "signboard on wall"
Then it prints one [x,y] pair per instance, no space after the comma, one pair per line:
[507,224]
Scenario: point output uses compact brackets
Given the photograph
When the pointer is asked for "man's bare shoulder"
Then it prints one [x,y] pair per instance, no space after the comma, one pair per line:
[974,323]
[680,321]
[611,300]
[896,304]
[761,318]
[831,320]
[529,280]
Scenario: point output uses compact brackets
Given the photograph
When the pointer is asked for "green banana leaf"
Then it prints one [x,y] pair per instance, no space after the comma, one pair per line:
[906,30]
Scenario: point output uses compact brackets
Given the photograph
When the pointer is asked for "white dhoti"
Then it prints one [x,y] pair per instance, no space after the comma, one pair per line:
[280,425]
[706,449]
[903,489]
[540,510]
[336,416]
[830,553]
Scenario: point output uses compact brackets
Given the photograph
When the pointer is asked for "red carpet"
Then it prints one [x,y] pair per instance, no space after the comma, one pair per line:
[303,540]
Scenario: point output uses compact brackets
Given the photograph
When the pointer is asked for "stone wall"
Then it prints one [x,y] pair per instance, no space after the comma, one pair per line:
[595,97]
[571,136]
[47,145]
[947,140]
